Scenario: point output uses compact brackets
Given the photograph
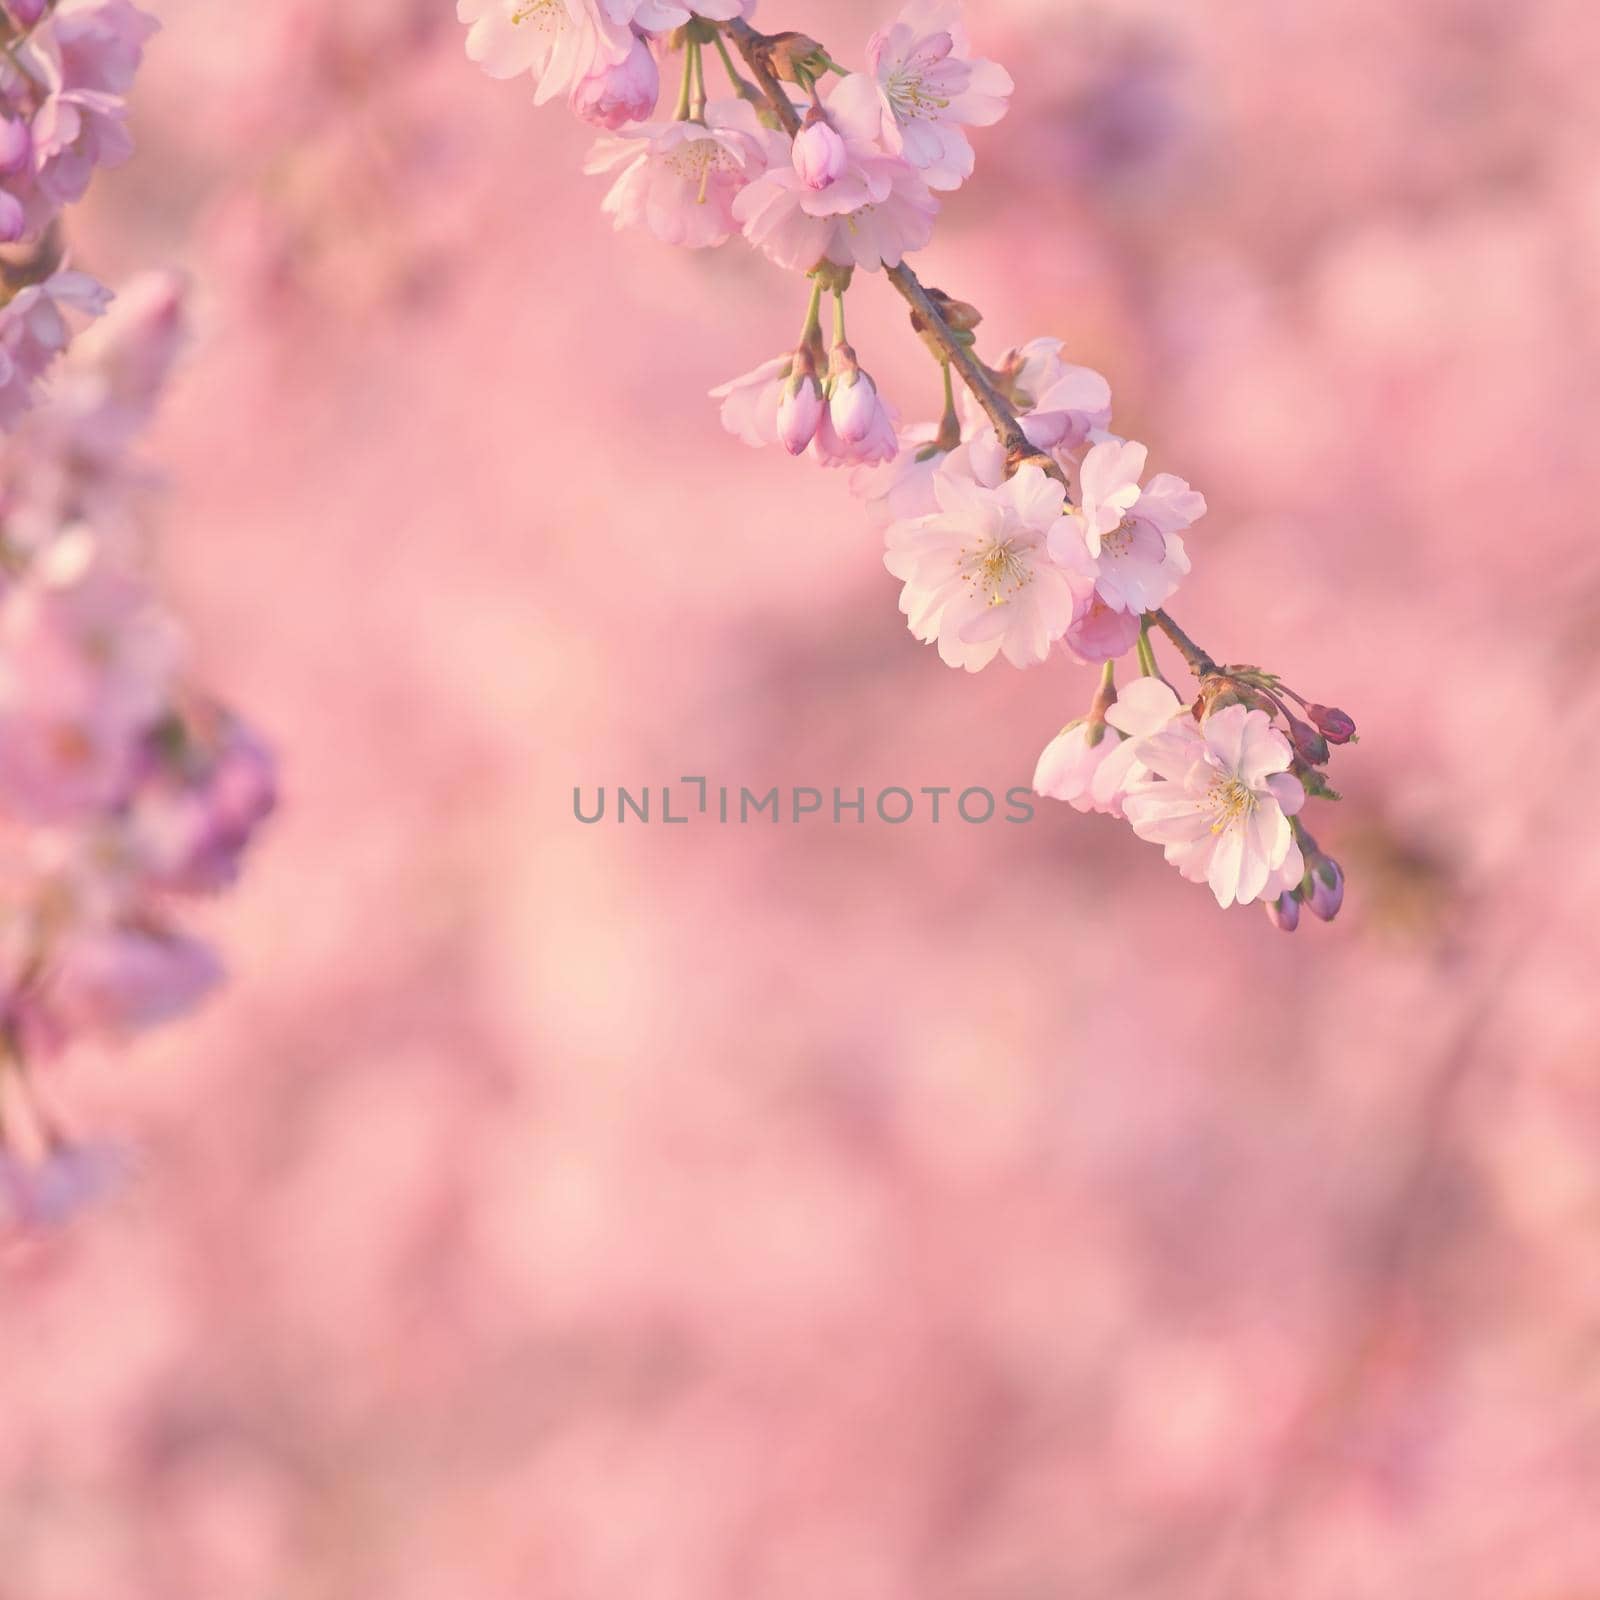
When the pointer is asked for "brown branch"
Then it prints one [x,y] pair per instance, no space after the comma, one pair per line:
[1200,664]
[754,47]
[930,322]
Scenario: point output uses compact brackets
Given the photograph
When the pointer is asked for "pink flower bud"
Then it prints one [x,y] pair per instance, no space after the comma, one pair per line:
[26,12]
[1337,726]
[16,145]
[854,407]
[800,410]
[621,94]
[1325,877]
[819,155]
[1308,744]
[1284,912]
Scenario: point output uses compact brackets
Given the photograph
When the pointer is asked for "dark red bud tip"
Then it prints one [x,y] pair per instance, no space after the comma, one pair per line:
[1338,727]
[1309,745]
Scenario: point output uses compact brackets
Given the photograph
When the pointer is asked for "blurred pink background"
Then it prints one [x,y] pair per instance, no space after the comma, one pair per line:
[870,1213]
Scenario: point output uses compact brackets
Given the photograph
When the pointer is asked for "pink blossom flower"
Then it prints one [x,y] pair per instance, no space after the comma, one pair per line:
[108,386]
[682,180]
[1072,406]
[658,15]
[878,444]
[75,131]
[1283,898]
[978,576]
[561,42]
[1097,777]
[1289,878]
[923,90]
[95,44]
[1219,801]
[66,462]
[86,668]
[116,980]
[783,401]
[872,214]
[620,92]
[1143,709]
[34,331]
[1068,764]
[1061,406]
[1134,534]
[1101,634]
[901,488]
[64,86]
[750,403]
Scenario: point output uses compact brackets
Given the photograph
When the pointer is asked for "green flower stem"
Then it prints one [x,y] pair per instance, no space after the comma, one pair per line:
[686,92]
[811,333]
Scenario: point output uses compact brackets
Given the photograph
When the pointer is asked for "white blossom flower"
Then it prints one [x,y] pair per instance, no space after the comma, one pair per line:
[1219,800]
[1134,533]
[926,89]
[978,575]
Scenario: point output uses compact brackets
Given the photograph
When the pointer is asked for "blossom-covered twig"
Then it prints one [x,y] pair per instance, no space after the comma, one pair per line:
[124,787]
[1019,524]
[927,316]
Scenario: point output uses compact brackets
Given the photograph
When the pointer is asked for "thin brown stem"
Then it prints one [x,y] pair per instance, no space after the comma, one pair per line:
[959,357]
[753,47]
[1200,664]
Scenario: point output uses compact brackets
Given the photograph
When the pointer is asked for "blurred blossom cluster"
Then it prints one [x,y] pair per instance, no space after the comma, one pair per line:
[65,73]
[1018,523]
[122,787]
[340,187]
[922,1213]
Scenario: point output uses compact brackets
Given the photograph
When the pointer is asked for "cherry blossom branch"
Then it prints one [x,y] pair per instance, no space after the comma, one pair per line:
[927,318]
[930,322]
[1019,524]
[1199,662]
[756,49]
